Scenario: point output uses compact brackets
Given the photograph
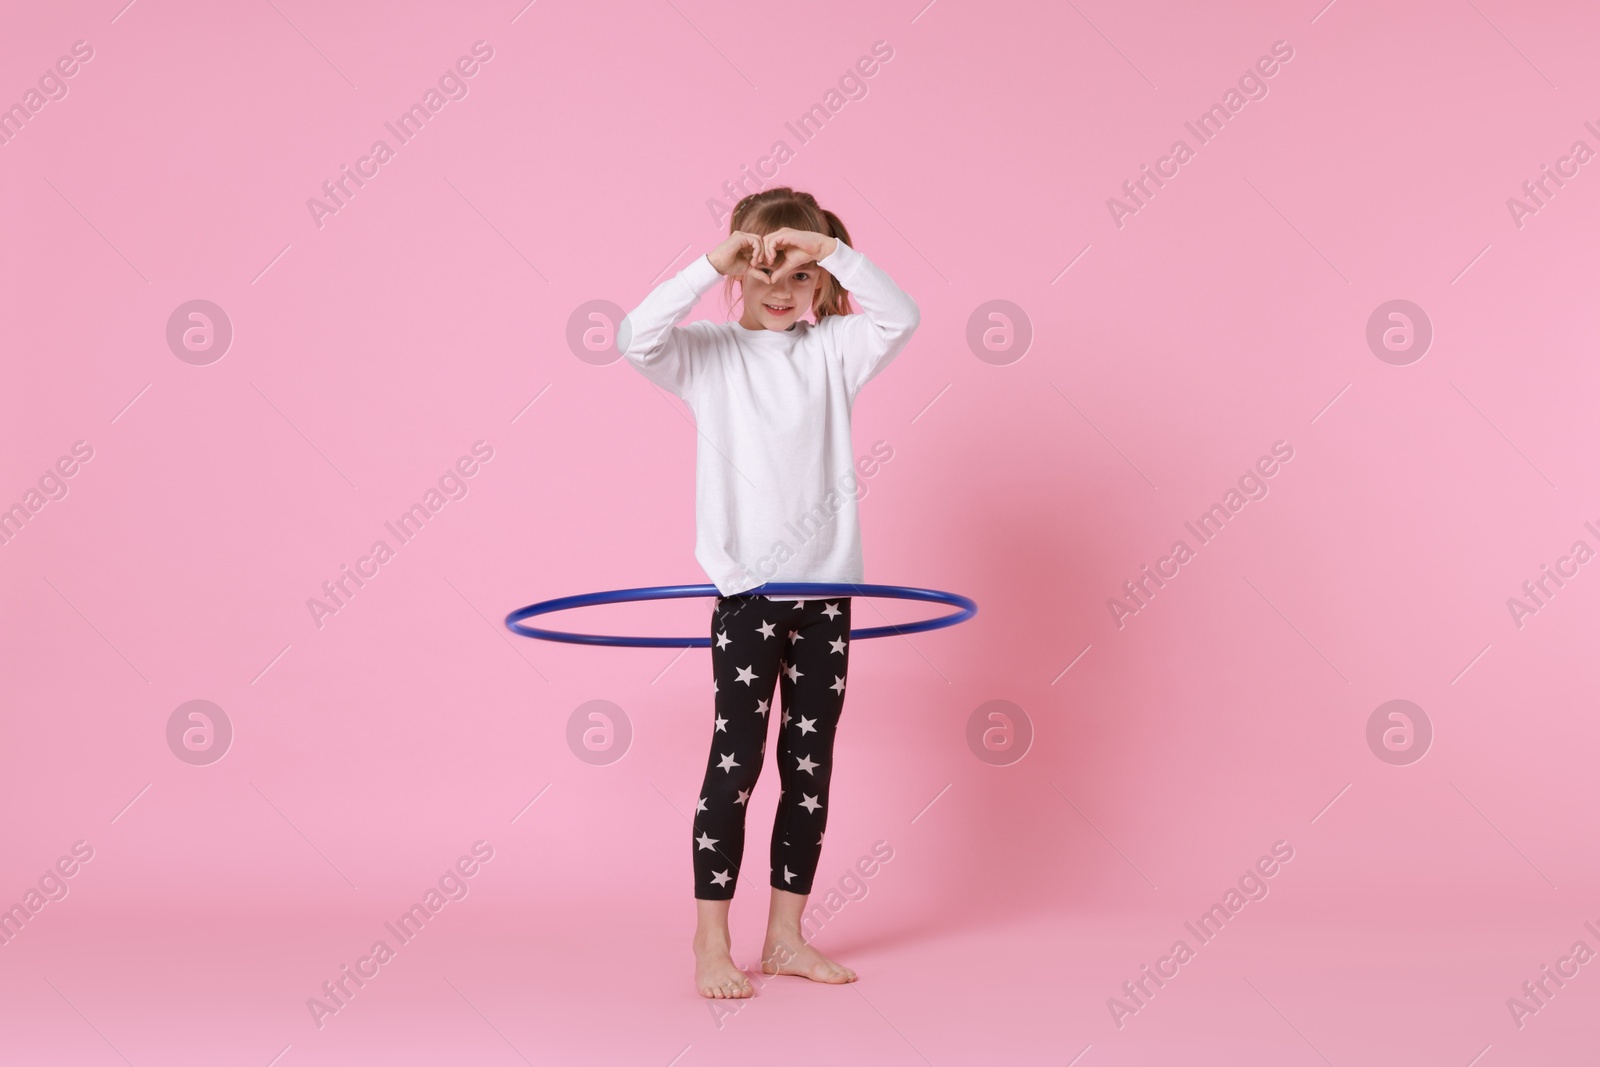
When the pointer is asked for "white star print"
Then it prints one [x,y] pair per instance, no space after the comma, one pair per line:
[808,726]
[810,804]
[831,611]
[766,630]
[746,675]
[793,672]
[761,707]
[744,795]
[700,805]
[706,841]
[728,763]
[837,645]
[722,640]
[788,875]
[721,878]
[838,684]
[794,635]
[806,765]
[722,724]
[713,685]
[785,716]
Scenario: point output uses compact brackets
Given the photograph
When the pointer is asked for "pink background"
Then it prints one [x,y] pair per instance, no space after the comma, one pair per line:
[369,353]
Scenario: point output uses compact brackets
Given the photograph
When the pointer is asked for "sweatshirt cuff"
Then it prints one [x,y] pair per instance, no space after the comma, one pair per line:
[700,275]
[841,261]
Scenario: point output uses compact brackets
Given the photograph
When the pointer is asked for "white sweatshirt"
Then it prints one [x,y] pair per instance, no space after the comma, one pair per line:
[775,478]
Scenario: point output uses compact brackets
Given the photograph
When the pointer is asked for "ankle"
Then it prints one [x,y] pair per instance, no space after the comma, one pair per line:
[785,933]
[712,941]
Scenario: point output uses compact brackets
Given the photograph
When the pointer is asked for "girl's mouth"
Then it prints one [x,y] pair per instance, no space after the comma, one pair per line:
[779,310]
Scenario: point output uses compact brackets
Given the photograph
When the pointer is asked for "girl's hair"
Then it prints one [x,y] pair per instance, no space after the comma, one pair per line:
[780,207]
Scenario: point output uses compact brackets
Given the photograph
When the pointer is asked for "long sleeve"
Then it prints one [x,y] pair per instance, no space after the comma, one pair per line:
[869,341]
[650,336]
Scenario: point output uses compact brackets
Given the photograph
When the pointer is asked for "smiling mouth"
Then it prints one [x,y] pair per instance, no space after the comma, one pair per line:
[776,310]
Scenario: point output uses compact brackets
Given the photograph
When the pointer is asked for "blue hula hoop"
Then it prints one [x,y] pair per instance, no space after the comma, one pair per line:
[968,607]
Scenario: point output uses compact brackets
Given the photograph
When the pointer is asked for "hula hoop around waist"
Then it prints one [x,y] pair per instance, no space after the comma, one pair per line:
[968,607]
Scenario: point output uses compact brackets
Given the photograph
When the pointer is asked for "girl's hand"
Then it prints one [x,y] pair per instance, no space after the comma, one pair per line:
[735,255]
[786,250]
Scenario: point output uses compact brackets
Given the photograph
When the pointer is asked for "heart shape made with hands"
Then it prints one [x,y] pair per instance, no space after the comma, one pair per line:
[787,261]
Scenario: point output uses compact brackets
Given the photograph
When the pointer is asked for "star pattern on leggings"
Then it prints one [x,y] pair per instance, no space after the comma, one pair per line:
[726,637]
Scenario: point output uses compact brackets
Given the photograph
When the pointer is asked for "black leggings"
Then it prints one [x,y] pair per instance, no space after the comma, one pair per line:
[755,642]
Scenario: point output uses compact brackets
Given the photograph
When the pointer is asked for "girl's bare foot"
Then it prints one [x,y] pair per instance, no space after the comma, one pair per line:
[716,975]
[786,952]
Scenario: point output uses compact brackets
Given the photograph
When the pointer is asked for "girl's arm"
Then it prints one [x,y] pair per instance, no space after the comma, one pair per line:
[868,342]
[650,337]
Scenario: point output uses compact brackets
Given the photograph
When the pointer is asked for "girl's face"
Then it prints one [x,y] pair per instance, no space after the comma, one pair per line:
[778,305]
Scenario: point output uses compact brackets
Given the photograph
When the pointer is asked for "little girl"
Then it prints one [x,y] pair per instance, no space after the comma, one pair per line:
[771,394]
